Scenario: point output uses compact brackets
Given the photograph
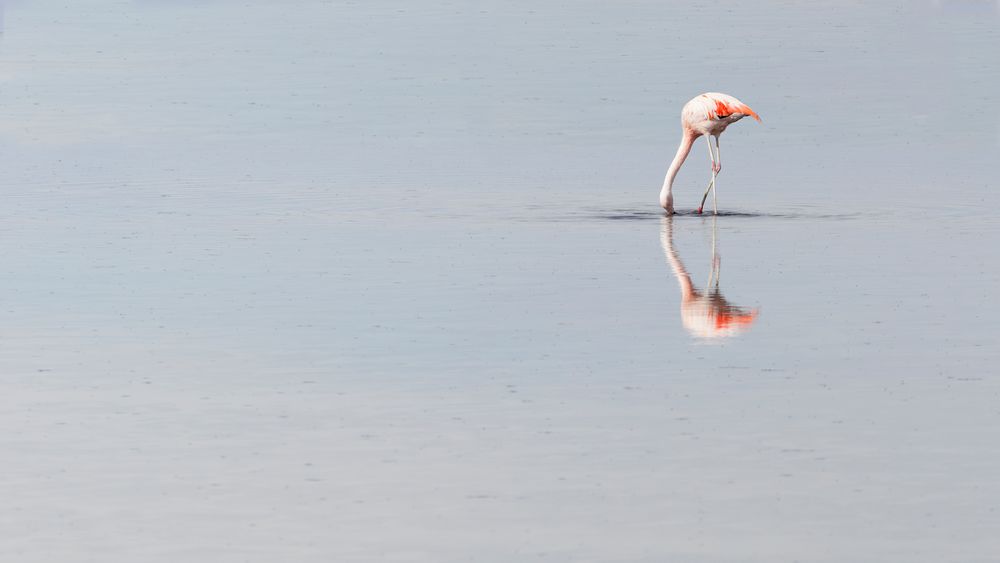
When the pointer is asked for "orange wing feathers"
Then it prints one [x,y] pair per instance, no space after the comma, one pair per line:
[726,107]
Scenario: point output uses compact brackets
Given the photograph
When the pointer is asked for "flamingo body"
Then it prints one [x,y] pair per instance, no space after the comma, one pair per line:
[705,115]
[711,113]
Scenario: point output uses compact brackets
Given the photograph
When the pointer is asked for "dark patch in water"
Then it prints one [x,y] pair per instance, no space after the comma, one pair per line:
[656,215]
[643,215]
[629,215]
[626,215]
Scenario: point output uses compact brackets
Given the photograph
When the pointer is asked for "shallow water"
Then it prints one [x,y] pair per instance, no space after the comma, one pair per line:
[315,281]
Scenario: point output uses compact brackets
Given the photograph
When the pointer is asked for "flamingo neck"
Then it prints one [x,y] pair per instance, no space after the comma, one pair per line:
[682,152]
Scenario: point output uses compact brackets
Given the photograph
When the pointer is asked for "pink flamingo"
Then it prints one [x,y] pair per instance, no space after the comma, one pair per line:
[708,114]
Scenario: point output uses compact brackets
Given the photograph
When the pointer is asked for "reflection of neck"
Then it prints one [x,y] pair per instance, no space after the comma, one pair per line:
[683,278]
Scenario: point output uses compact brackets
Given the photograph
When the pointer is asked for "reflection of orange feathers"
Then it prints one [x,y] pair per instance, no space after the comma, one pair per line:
[727,319]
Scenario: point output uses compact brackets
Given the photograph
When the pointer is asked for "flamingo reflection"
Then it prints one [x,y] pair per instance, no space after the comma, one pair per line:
[705,314]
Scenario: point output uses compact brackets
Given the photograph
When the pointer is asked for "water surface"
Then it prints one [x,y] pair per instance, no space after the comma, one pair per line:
[315,281]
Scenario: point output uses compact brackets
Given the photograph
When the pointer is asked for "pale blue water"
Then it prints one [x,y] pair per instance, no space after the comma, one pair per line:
[316,281]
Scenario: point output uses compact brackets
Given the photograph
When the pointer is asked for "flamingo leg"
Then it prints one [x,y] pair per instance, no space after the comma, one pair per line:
[715,172]
[711,183]
[716,166]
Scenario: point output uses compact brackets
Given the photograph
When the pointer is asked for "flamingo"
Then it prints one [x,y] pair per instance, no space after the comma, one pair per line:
[708,114]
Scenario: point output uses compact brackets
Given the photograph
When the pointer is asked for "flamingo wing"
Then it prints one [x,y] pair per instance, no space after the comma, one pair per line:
[723,105]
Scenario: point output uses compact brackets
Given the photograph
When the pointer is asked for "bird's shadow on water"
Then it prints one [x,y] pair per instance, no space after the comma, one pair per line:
[649,215]
[636,215]
[585,214]
[625,215]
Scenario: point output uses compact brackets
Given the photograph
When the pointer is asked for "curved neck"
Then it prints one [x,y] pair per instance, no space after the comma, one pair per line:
[682,152]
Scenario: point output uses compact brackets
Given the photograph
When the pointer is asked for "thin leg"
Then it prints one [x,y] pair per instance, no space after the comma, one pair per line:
[711,184]
[715,194]
[704,197]
[711,151]
[716,170]
[718,157]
